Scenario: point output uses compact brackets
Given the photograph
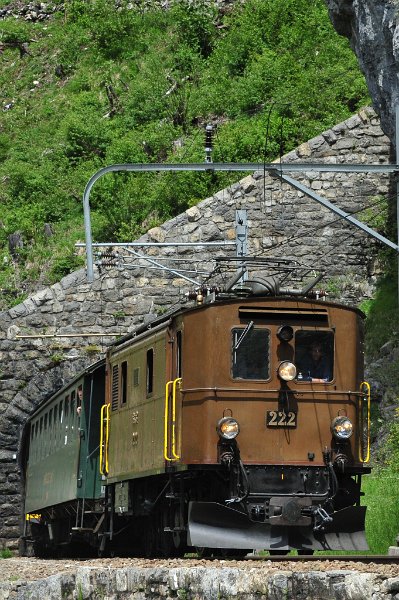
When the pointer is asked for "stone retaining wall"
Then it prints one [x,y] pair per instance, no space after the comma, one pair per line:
[204,583]
[85,318]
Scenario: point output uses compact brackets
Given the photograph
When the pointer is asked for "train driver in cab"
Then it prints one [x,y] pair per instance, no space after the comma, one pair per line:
[316,364]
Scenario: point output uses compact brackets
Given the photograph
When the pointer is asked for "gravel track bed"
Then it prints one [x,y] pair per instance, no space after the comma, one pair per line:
[30,569]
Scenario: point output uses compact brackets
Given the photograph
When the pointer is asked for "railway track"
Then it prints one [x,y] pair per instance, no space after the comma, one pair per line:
[363,558]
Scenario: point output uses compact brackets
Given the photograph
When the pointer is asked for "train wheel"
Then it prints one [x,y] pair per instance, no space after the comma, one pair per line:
[150,538]
[104,549]
[40,540]
[203,552]
[305,552]
[173,542]
[278,552]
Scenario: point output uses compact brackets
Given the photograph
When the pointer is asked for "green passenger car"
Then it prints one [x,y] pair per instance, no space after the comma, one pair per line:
[62,472]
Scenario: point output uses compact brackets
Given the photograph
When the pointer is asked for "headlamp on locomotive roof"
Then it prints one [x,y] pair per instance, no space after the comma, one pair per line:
[286,370]
[341,428]
[285,333]
[228,428]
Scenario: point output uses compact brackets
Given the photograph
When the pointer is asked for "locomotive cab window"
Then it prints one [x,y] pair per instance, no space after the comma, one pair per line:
[250,352]
[314,355]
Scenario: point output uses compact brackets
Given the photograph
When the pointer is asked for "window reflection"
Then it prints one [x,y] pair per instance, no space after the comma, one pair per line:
[250,353]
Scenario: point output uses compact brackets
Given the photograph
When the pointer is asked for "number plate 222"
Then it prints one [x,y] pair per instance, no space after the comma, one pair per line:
[279,418]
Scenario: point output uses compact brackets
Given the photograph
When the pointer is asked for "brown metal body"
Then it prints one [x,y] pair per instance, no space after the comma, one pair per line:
[196,345]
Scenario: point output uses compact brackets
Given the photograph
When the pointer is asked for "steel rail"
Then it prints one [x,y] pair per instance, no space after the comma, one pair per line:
[365,558]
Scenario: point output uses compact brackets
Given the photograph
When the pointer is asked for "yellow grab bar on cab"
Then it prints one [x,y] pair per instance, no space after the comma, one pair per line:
[170,412]
[104,439]
[365,390]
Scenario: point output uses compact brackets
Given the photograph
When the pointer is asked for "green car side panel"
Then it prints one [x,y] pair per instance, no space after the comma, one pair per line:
[62,462]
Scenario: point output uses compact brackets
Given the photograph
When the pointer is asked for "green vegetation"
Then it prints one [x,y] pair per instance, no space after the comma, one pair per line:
[381,499]
[6,553]
[95,85]
[92,349]
[381,487]
[382,316]
[57,358]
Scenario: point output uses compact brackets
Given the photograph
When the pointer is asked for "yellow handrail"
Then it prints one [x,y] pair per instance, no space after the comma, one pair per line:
[174,456]
[365,389]
[104,421]
[165,437]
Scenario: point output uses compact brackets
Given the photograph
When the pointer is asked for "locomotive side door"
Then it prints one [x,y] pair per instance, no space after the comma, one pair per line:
[173,400]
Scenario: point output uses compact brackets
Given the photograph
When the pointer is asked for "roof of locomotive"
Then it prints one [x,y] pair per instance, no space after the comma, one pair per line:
[181,309]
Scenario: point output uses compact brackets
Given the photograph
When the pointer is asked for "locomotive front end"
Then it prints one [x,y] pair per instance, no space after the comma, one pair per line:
[274,414]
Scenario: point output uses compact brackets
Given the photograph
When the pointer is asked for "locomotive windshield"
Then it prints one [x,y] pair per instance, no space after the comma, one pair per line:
[251,353]
[314,355]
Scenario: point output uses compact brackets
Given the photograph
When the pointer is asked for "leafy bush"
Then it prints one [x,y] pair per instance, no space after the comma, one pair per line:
[14,31]
[381,324]
[195,23]
[63,265]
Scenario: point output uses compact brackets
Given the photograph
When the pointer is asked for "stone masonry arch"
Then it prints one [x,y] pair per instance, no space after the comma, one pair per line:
[73,322]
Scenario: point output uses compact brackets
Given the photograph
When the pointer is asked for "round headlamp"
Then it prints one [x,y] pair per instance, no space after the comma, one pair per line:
[287,370]
[285,333]
[341,428]
[228,428]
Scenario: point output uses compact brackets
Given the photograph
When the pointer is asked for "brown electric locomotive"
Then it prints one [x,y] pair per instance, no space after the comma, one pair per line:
[238,423]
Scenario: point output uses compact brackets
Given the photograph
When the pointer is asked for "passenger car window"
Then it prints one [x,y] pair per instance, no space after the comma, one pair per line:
[250,353]
[314,355]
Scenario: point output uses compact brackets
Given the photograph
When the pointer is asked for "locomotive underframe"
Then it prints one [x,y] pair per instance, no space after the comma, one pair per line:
[309,508]
[70,528]
[282,507]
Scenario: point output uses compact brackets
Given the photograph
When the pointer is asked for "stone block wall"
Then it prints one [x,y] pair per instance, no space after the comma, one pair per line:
[240,582]
[58,331]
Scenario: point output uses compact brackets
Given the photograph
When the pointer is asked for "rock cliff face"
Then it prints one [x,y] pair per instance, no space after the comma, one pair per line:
[372,27]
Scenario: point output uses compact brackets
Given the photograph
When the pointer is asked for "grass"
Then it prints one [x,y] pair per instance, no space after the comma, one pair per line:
[382,517]
[6,553]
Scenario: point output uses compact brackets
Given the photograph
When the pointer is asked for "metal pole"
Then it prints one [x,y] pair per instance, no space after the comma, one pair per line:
[397,182]
[208,167]
[157,244]
[337,211]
